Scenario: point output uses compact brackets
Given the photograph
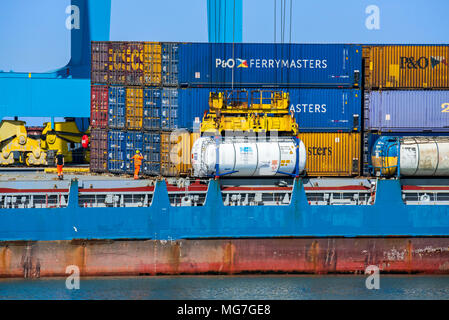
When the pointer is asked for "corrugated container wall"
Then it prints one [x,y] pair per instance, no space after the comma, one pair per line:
[151,153]
[116,151]
[332,154]
[99,62]
[315,109]
[170,63]
[117,107]
[117,63]
[402,67]
[152,63]
[255,65]
[134,108]
[151,109]
[134,142]
[407,111]
[134,60]
[99,106]
[175,153]
[98,150]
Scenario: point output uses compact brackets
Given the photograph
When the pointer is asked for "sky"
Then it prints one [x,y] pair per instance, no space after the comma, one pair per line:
[33,36]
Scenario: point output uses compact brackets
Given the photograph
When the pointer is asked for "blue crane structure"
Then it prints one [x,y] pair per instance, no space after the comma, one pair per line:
[66,92]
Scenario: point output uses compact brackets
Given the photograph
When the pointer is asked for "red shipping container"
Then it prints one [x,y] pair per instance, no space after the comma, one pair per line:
[99,106]
[98,150]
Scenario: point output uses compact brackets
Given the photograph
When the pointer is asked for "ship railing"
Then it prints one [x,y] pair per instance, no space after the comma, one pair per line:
[425,195]
[23,199]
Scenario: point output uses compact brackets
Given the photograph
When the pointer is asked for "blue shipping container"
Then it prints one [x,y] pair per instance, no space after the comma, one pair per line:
[116,151]
[134,142]
[151,153]
[151,109]
[315,109]
[407,111]
[169,109]
[170,63]
[117,107]
[282,65]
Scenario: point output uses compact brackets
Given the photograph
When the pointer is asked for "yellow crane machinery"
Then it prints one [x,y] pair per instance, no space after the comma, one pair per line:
[17,148]
[256,111]
[64,137]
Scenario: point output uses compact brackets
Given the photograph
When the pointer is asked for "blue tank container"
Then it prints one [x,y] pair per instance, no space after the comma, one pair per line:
[134,142]
[264,64]
[116,151]
[151,109]
[316,110]
[151,153]
[117,107]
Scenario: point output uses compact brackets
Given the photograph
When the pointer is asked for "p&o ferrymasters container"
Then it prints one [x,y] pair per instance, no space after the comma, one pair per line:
[332,154]
[315,110]
[407,111]
[282,65]
[409,66]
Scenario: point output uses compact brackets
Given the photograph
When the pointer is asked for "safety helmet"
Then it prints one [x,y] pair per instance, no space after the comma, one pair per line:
[137,151]
[59,152]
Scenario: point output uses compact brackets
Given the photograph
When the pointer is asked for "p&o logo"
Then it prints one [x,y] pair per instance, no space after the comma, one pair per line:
[421,62]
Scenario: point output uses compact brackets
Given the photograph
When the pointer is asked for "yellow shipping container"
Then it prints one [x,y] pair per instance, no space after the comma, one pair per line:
[152,63]
[332,154]
[175,153]
[406,67]
[134,108]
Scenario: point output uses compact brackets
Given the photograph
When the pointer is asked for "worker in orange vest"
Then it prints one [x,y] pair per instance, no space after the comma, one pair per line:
[137,163]
[60,164]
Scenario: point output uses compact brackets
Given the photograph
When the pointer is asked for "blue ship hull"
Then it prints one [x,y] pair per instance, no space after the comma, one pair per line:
[388,216]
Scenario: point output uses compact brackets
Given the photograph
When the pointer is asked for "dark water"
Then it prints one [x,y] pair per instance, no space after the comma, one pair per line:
[230,287]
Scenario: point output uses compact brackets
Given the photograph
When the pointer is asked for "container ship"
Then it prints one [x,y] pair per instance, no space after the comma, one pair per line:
[257,158]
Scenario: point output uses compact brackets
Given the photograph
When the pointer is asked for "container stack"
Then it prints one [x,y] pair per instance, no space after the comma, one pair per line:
[154,88]
[323,82]
[406,93]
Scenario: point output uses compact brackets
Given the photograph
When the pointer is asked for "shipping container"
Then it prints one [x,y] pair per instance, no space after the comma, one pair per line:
[99,62]
[170,63]
[407,111]
[409,66]
[151,109]
[134,142]
[99,97]
[134,60]
[175,153]
[152,63]
[315,109]
[282,65]
[151,153]
[169,108]
[134,108]
[116,151]
[117,107]
[332,154]
[98,150]
[117,62]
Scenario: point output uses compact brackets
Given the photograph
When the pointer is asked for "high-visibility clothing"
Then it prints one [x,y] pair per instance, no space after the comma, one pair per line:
[137,160]
[59,169]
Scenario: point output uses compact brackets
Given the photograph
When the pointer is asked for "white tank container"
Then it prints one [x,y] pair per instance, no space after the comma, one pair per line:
[247,158]
[424,156]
